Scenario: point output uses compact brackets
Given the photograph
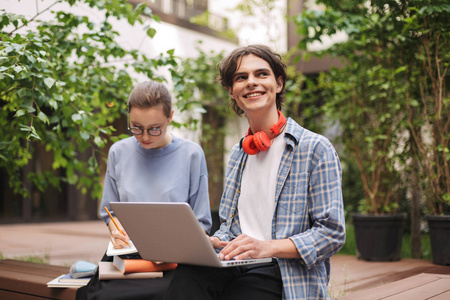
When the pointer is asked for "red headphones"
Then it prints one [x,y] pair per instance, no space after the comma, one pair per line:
[261,140]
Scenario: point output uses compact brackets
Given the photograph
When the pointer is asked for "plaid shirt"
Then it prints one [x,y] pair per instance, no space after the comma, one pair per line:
[309,209]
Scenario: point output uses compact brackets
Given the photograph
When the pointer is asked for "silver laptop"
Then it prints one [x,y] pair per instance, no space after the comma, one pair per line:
[170,232]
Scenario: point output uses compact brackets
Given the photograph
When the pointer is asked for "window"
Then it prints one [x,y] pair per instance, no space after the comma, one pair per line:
[183,9]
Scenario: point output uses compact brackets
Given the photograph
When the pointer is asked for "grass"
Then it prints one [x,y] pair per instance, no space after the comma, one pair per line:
[426,246]
[45,259]
[349,247]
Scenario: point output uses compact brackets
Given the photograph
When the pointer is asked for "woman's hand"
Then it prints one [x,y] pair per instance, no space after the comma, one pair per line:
[118,239]
[215,242]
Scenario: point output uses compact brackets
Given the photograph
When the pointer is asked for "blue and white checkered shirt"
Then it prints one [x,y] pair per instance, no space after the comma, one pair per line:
[309,209]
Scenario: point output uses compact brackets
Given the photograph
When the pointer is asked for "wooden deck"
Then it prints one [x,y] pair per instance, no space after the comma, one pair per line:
[411,279]
[417,287]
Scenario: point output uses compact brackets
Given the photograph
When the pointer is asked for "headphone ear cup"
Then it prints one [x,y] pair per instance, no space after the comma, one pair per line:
[261,140]
[249,145]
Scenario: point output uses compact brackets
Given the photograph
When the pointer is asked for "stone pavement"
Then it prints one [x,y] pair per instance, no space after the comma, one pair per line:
[61,243]
[64,243]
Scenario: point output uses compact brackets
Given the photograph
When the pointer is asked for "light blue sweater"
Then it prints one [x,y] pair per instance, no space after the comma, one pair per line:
[175,173]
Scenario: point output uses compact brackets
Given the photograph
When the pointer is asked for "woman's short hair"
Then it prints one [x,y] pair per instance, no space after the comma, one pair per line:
[148,94]
[229,65]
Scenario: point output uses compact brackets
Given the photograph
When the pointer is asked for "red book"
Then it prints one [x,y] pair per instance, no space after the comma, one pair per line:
[137,265]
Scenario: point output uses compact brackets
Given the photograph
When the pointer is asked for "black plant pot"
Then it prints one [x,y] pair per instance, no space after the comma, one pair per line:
[379,237]
[439,227]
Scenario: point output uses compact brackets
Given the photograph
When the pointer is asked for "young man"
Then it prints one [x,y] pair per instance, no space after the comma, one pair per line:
[282,196]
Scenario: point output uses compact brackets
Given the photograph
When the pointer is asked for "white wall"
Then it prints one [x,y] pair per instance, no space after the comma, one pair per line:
[167,37]
[268,28]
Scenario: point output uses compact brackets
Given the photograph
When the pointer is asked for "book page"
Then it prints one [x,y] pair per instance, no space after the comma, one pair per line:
[111,251]
[68,278]
[55,283]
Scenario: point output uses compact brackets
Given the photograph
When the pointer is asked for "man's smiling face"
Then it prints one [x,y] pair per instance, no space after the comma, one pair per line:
[254,84]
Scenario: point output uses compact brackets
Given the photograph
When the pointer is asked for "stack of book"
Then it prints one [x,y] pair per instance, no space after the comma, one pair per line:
[67,281]
[128,264]
[79,275]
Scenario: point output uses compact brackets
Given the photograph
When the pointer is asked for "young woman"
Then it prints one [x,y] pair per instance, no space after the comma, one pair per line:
[152,165]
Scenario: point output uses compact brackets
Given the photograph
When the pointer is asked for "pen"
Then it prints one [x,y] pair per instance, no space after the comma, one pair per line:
[117,226]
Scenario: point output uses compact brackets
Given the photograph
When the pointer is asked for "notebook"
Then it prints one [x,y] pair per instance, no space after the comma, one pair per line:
[170,232]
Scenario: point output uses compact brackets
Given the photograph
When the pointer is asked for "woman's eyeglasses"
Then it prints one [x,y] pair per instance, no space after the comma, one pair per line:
[154,131]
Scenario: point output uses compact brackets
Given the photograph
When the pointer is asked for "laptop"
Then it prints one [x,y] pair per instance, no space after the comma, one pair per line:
[170,232]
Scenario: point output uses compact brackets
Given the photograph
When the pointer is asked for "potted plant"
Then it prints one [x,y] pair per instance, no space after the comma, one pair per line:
[362,97]
[368,120]
[428,107]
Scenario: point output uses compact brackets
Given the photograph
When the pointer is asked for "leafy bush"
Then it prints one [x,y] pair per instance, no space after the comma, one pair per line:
[62,83]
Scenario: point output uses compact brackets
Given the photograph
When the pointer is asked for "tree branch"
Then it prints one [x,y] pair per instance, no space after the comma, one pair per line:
[35,16]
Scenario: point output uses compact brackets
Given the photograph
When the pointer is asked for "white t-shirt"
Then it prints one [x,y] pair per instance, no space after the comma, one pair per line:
[256,203]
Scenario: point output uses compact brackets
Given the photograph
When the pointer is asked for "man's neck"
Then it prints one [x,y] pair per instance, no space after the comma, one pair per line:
[262,120]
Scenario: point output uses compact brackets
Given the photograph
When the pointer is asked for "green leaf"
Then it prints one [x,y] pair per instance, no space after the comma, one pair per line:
[53,104]
[156,18]
[2,75]
[43,117]
[76,117]
[84,135]
[446,198]
[19,113]
[49,82]
[151,32]
[414,103]
[18,69]
[99,142]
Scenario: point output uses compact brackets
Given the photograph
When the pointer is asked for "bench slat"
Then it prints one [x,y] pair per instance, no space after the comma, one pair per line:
[30,279]
[7,295]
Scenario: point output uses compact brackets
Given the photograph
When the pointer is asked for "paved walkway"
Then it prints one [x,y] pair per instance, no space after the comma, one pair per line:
[64,243]
[61,243]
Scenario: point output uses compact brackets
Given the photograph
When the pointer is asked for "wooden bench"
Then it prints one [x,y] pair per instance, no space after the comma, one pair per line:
[21,280]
